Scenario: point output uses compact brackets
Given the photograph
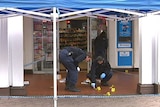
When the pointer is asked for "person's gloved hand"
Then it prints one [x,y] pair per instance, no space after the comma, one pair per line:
[103,75]
[93,85]
[70,53]
[78,69]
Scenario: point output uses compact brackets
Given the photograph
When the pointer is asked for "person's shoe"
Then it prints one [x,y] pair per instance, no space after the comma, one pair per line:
[104,84]
[73,89]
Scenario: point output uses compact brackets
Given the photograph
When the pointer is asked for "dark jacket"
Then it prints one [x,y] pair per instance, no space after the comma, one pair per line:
[100,44]
[97,69]
[77,54]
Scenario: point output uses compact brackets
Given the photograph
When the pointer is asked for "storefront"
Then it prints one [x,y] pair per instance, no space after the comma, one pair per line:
[81,32]
[147,34]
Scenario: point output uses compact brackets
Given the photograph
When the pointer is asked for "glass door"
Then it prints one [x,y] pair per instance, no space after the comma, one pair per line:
[42,39]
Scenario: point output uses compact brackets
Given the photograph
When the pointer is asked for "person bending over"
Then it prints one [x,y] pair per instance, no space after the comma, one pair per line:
[70,57]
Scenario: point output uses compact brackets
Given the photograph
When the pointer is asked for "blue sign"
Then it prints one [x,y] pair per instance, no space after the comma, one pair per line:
[124,34]
[124,58]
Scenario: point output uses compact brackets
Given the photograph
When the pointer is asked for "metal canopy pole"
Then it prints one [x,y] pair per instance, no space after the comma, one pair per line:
[54,57]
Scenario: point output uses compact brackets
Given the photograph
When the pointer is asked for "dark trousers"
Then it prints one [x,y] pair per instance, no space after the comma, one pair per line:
[68,62]
[108,77]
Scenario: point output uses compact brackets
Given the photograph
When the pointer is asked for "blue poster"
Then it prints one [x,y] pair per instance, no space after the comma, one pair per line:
[124,34]
[125,29]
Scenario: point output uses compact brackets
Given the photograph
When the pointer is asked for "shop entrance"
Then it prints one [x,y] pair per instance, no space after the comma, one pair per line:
[71,33]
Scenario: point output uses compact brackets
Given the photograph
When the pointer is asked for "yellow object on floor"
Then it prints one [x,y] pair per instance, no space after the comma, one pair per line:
[98,88]
[112,88]
[108,93]
[126,71]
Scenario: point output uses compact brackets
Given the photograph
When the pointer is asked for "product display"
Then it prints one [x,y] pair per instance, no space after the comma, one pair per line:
[73,37]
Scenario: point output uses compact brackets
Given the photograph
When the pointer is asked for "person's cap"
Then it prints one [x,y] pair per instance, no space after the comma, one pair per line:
[99,58]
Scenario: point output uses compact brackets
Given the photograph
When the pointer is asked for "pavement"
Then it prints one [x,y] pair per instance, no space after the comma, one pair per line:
[82,101]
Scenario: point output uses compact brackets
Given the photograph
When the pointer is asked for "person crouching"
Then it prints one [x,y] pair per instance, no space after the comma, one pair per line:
[100,69]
